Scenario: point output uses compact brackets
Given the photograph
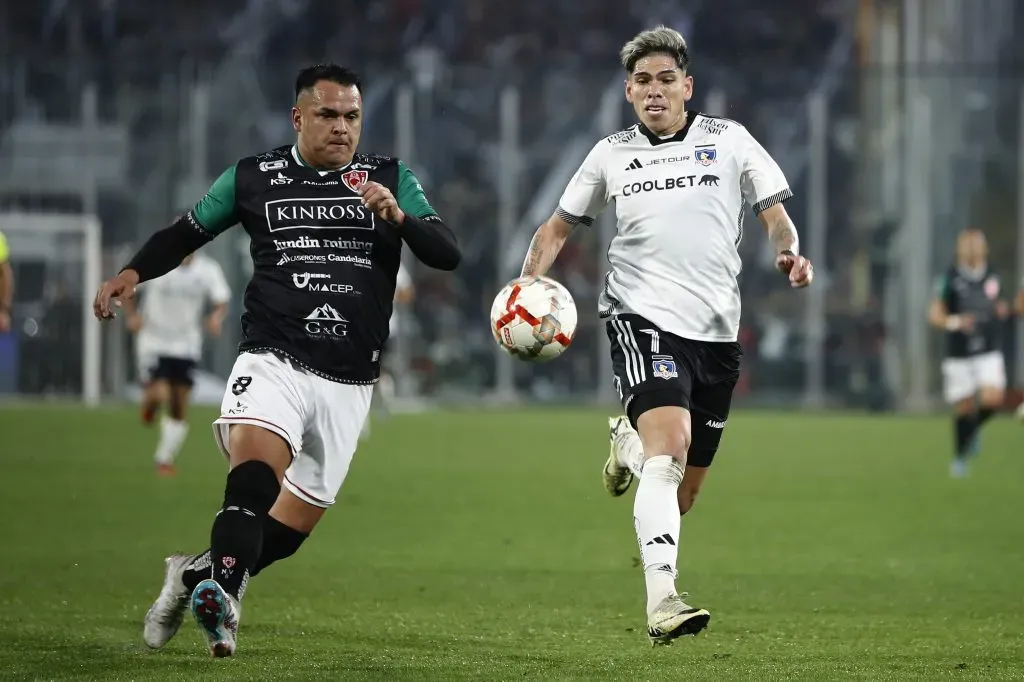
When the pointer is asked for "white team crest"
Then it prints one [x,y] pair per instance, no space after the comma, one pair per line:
[664,367]
[706,155]
[354,179]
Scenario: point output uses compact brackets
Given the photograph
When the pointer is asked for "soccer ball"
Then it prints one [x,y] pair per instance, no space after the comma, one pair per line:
[534,318]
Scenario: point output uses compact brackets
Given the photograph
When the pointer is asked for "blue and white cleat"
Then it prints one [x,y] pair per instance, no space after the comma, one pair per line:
[165,615]
[617,478]
[674,618]
[217,613]
[958,468]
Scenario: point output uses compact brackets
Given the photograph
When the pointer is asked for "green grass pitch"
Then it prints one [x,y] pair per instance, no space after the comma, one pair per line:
[482,546]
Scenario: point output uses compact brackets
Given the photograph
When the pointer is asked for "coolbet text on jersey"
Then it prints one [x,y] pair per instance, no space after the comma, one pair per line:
[679,206]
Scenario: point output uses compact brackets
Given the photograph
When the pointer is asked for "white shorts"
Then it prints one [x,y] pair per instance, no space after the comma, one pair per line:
[319,419]
[963,377]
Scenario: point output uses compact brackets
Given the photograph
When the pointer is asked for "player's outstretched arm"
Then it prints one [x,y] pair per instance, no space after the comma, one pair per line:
[547,241]
[165,250]
[428,237]
[786,244]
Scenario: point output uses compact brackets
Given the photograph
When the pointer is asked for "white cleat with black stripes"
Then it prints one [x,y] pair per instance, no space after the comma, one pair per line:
[674,618]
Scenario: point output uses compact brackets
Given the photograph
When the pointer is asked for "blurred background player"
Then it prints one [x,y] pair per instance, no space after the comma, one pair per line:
[169,326]
[968,307]
[6,286]
[385,393]
[1018,306]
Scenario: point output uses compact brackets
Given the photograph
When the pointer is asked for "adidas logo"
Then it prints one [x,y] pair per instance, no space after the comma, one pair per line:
[665,539]
[635,165]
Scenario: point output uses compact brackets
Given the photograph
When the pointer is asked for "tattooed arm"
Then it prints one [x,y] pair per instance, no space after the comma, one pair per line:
[781,231]
[544,247]
[783,237]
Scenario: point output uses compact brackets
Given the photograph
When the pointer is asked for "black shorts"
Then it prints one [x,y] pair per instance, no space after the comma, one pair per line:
[654,368]
[175,371]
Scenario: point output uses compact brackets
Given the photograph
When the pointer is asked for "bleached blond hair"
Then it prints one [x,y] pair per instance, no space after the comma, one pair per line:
[660,39]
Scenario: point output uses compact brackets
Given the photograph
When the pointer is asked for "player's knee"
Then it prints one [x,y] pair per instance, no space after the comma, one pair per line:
[157,392]
[992,398]
[252,485]
[964,407]
[178,410]
[255,443]
[665,431]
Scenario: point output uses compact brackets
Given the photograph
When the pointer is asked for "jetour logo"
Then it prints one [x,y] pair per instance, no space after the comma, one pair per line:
[334,213]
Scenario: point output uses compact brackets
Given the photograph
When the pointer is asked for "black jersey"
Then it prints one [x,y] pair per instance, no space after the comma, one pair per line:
[324,266]
[974,294]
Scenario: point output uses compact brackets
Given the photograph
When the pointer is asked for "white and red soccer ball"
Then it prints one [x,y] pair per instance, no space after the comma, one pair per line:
[534,318]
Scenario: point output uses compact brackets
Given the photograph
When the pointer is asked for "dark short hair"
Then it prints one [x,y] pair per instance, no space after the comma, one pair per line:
[311,75]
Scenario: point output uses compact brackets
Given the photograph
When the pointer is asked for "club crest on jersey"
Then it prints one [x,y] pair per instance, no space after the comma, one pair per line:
[664,367]
[706,155]
[992,287]
[354,179]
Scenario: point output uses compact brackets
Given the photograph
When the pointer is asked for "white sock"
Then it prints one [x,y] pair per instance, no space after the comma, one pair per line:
[629,451]
[656,516]
[172,436]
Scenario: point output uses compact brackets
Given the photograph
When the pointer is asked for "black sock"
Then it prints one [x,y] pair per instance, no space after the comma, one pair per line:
[279,542]
[984,414]
[965,427]
[236,538]
[200,569]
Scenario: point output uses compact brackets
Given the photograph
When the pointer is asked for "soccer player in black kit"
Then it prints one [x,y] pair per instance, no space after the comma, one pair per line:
[327,225]
[969,307]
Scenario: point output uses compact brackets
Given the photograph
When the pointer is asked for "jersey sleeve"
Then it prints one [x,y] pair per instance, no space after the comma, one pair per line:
[761,180]
[5,252]
[586,195]
[216,211]
[942,289]
[217,285]
[411,198]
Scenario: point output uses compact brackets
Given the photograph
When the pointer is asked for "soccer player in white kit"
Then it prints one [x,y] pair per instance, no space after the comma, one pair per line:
[404,293]
[680,181]
[169,326]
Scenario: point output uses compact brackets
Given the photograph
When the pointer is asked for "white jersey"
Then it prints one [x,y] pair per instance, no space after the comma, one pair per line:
[679,205]
[403,281]
[173,308]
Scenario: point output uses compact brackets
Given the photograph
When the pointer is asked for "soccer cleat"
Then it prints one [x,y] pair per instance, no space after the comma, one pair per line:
[165,615]
[166,470]
[674,618]
[217,614]
[617,478]
[958,468]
